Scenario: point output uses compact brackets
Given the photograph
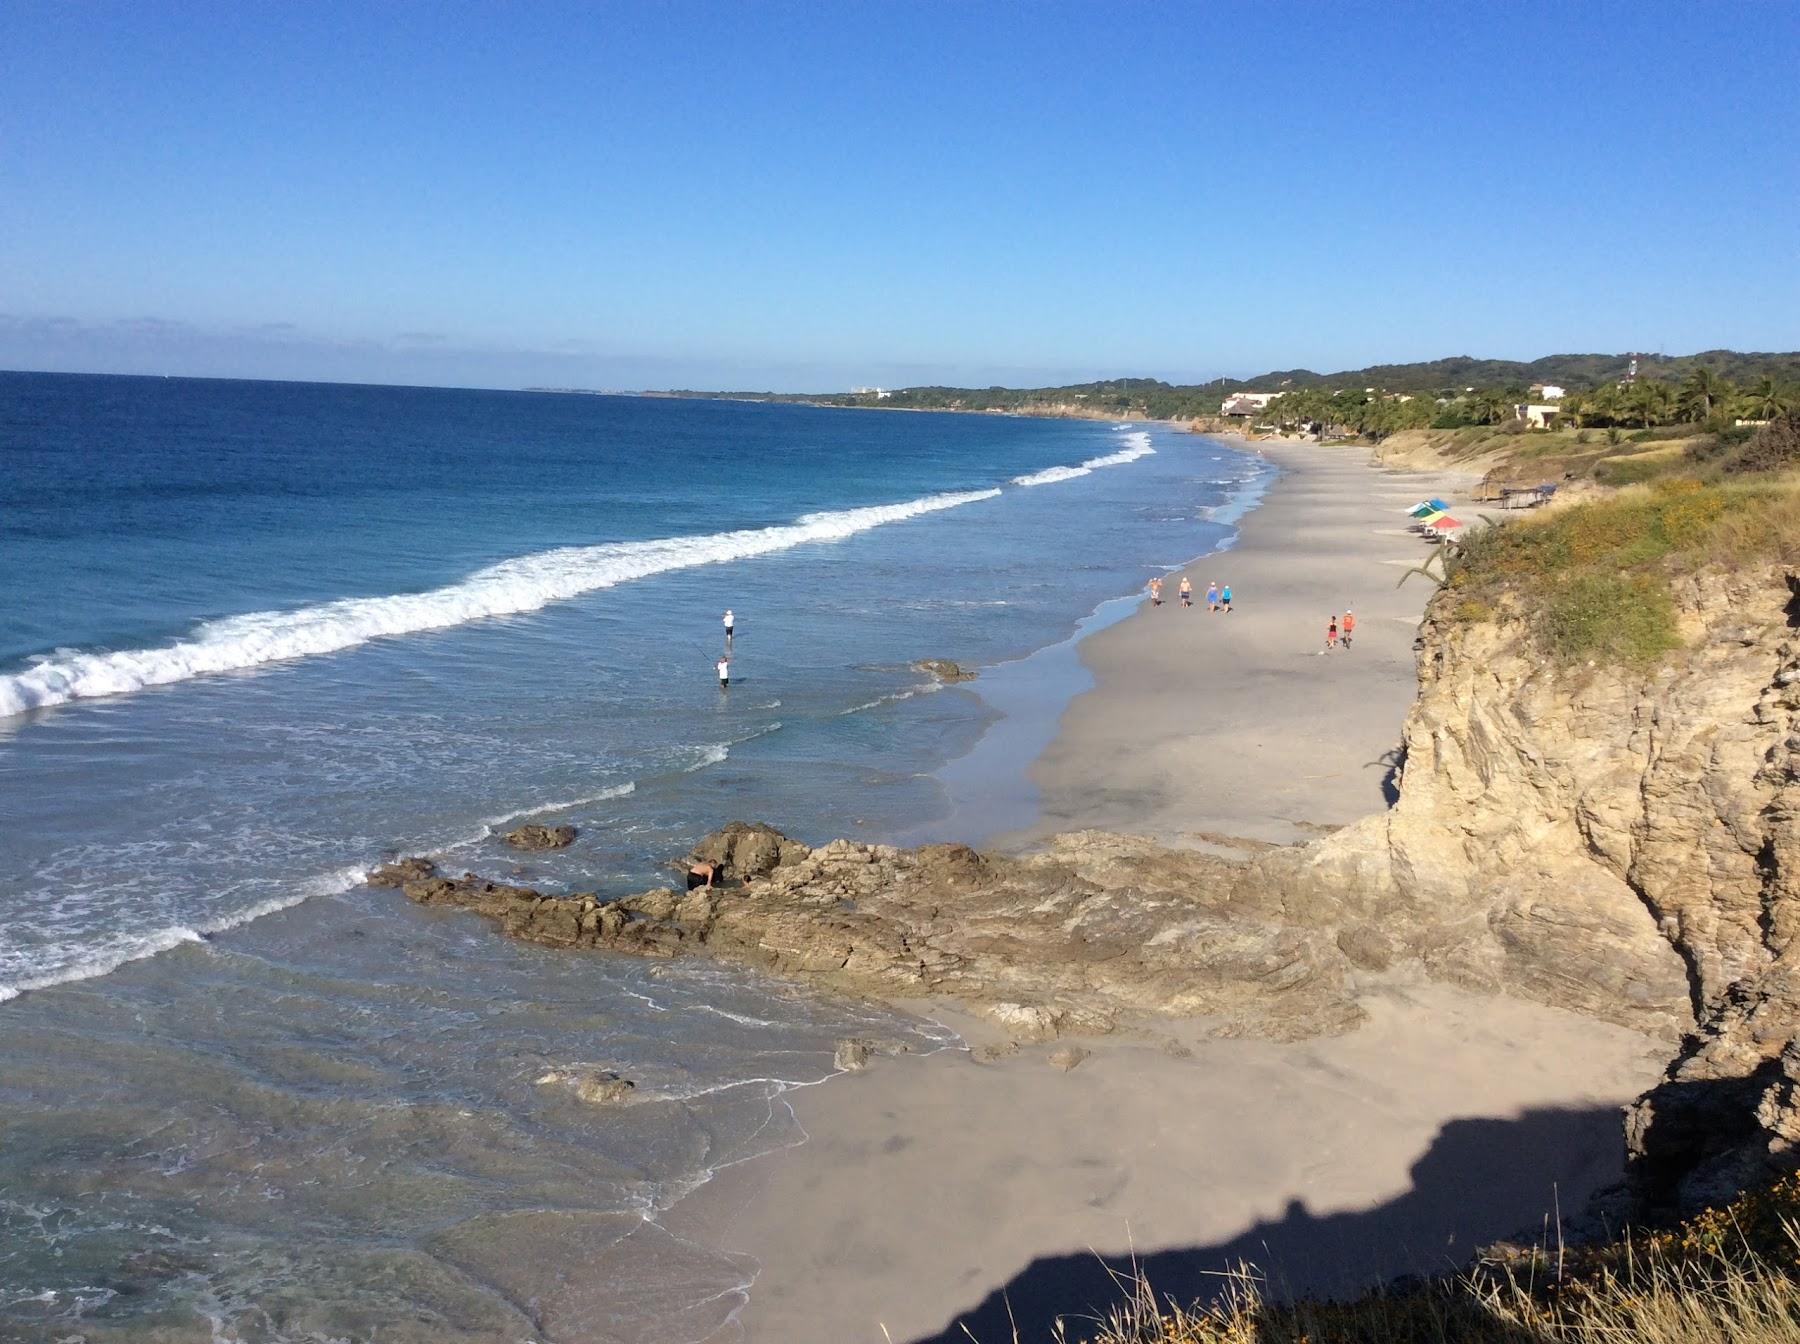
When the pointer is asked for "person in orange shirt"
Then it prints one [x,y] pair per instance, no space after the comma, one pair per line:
[1348,627]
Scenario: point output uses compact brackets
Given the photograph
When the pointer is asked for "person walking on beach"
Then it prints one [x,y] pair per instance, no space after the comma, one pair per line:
[1187,591]
[724,666]
[1225,599]
[1349,627]
[1156,592]
[1331,633]
[1212,595]
[730,621]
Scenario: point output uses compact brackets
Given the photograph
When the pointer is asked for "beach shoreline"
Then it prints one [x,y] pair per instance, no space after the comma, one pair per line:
[1242,725]
[978,1188]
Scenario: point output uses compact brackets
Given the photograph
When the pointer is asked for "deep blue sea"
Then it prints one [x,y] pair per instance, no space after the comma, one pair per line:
[255,637]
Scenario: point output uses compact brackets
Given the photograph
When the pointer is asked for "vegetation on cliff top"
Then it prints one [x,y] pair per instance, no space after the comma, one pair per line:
[1593,580]
[1726,1275]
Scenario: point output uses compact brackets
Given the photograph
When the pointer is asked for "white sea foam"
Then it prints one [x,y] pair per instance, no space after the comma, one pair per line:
[712,755]
[1138,440]
[121,948]
[605,795]
[523,584]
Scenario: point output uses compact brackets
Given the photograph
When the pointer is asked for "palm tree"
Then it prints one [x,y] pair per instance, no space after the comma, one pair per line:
[1765,400]
[1701,390]
[1650,400]
[1487,406]
[1605,402]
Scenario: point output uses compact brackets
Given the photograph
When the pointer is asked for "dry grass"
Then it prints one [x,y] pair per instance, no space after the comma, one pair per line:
[1593,579]
[1724,1277]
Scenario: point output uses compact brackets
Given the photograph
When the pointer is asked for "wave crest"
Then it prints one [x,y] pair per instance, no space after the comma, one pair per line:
[1138,442]
[523,584]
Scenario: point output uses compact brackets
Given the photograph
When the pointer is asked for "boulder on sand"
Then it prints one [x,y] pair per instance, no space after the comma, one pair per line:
[540,837]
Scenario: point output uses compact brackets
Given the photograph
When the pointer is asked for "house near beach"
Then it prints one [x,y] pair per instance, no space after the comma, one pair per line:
[1537,415]
[1243,405]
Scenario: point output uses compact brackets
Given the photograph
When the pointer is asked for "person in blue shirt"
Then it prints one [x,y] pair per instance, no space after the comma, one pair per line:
[1225,598]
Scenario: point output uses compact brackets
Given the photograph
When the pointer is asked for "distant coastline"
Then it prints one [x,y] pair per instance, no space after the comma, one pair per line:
[1495,384]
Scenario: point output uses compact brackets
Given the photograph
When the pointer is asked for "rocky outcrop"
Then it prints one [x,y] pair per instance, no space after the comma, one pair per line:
[944,669]
[597,1087]
[1096,929]
[540,837]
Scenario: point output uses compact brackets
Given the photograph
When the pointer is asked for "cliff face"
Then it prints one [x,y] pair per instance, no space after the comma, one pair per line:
[1626,845]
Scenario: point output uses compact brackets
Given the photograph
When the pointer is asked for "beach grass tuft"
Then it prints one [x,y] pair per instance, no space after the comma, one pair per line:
[1726,1276]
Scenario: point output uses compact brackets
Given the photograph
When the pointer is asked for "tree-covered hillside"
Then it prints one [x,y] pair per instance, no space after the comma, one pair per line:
[1152,398]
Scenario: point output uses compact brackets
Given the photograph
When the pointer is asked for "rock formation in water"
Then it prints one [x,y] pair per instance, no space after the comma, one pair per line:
[540,837]
[1098,928]
[944,669]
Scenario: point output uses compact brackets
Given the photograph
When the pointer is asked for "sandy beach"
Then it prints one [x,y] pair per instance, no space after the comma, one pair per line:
[941,1193]
[977,1189]
[1243,725]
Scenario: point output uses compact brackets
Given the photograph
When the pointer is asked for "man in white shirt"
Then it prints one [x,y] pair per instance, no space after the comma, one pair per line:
[724,672]
[729,622]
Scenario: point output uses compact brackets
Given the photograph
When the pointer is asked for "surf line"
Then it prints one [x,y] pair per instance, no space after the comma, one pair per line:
[525,583]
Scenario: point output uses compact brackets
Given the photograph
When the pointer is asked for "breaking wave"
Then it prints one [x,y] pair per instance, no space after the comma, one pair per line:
[1138,440]
[114,951]
[540,809]
[523,584]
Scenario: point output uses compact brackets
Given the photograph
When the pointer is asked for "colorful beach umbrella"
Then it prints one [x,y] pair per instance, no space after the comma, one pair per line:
[1438,504]
[1420,509]
[1445,522]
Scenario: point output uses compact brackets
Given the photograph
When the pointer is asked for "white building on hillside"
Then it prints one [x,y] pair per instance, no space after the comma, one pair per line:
[1246,403]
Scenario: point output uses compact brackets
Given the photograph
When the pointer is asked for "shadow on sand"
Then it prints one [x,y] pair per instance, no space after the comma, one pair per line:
[1479,1181]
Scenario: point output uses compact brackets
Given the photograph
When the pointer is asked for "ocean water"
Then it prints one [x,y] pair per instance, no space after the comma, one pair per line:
[256,637]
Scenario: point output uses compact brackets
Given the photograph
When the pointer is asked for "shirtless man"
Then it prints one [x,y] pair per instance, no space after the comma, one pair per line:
[1156,592]
[1187,591]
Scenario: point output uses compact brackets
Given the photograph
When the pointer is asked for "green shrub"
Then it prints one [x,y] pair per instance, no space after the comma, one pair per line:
[1774,447]
[1609,618]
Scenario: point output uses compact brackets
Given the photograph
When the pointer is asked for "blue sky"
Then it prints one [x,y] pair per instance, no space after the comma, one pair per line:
[815,196]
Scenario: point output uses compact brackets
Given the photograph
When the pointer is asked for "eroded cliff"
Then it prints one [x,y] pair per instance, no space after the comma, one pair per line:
[1625,844]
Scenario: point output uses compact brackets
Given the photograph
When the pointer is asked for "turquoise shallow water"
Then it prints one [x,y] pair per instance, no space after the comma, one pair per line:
[259,636]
